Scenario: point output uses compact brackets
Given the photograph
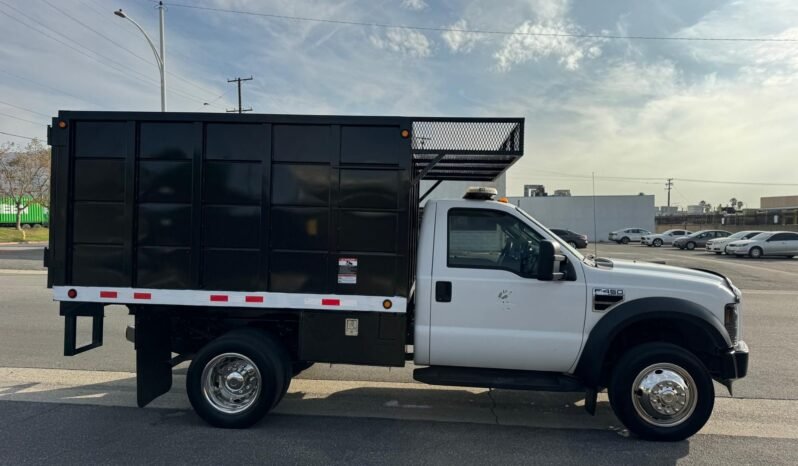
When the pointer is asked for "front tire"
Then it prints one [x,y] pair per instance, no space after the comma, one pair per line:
[658,243]
[624,240]
[690,246]
[572,244]
[661,391]
[755,253]
[237,378]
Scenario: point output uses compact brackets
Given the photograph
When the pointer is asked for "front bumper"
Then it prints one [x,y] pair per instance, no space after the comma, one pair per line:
[734,363]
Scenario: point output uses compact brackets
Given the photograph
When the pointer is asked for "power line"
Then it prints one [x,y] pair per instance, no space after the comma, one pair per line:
[18,136]
[25,109]
[42,29]
[480,31]
[688,180]
[22,119]
[149,62]
[749,183]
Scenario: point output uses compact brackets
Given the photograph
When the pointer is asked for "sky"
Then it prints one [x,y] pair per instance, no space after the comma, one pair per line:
[713,115]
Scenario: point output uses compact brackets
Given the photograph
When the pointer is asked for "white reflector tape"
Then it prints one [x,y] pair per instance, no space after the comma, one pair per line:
[110,295]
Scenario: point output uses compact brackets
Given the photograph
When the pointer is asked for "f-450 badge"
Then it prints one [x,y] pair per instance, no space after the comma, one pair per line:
[607,292]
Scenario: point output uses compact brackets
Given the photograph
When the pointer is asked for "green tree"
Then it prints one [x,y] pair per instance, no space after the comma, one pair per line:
[25,176]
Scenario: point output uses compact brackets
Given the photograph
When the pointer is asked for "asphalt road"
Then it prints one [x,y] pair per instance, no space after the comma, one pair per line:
[338,414]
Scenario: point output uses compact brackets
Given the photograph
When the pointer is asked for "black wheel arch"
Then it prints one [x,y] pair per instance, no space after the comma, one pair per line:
[669,318]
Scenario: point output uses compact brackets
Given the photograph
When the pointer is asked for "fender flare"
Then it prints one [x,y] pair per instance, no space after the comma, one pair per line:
[591,360]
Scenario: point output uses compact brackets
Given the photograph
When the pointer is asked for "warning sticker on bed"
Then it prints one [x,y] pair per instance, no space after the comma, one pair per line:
[347,270]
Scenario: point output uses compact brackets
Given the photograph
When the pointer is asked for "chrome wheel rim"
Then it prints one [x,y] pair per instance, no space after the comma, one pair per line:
[664,395]
[231,383]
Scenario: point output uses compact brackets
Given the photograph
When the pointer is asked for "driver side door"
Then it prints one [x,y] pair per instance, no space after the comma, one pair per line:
[488,309]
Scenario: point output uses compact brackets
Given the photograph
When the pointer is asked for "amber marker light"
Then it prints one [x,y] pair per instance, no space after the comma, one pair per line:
[387,304]
[405,133]
[62,124]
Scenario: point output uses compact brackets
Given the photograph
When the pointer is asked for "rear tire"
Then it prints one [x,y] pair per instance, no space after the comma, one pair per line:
[624,240]
[661,391]
[755,253]
[237,378]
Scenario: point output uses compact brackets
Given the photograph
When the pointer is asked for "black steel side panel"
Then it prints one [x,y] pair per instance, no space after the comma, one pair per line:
[232,202]
[380,338]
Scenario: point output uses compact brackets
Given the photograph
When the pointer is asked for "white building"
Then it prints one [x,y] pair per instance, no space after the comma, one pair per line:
[577,213]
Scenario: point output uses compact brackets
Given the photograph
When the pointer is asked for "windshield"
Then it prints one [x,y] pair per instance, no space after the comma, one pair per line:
[742,234]
[563,244]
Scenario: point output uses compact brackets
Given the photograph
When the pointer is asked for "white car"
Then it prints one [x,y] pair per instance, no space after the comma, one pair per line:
[628,235]
[666,237]
[770,243]
[718,245]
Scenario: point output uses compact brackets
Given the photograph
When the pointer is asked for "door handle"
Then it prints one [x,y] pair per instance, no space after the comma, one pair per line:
[443,292]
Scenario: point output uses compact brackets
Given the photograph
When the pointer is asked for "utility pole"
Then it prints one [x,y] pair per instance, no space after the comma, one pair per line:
[668,186]
[238,82]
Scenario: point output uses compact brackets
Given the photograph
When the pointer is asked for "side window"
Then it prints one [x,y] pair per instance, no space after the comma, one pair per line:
[791,237]
[778,237]
[489,239]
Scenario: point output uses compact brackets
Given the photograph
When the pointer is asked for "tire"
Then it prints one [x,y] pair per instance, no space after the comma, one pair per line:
[648,362]
[624,240]
[755,253]
[248,349]
[658,243]
[572,244]
[690,246]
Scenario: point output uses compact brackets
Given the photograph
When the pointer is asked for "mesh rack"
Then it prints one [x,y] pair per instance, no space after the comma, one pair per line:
[472,149]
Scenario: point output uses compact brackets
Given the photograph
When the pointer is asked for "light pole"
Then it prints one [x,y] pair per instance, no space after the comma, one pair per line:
[160,58]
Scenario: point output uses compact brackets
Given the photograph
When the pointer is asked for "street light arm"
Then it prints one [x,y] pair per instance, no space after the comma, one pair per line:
[152,46]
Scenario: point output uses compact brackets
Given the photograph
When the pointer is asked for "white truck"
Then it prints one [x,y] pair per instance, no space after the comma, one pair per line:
[330,263]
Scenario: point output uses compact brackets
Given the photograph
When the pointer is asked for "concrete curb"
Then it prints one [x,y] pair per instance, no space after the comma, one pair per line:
[27,243]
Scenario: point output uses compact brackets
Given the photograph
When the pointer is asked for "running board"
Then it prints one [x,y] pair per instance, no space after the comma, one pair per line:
[498,378]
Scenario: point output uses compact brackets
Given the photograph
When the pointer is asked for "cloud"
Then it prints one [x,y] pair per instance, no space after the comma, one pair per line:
[405,41]
[415,5]
[460,41]
[537,40]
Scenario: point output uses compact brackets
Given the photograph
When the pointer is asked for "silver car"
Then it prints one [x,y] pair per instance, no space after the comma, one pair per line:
[628,235]
[718,245]
[770,243]
[666,237]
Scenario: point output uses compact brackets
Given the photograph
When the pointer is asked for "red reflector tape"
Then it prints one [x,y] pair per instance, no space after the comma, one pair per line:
[330,302]
[108,294]
[219,298]
[254,299]
[142,295]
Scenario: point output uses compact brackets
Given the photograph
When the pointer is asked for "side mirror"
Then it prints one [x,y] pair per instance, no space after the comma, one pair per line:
[550,261]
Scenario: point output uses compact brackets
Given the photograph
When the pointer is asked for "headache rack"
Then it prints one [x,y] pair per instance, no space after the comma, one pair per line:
[466,149]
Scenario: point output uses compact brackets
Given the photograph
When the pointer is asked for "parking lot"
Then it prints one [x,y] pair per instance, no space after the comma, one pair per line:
[346,414]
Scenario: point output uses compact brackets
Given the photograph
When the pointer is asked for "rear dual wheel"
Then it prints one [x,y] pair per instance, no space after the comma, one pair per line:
[236,379]
[661,391]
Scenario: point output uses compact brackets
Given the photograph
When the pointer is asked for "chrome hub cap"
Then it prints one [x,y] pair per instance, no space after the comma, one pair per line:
[664,395]
[231,382]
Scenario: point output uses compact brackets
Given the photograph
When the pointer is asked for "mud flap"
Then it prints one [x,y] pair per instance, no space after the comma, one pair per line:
[153,356]
[591,398]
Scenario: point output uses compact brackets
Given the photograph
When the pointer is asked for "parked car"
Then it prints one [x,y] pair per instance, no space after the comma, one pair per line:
[699,239]
[627,235]
[769,243]
[718,245]
[574,239]
[666,237]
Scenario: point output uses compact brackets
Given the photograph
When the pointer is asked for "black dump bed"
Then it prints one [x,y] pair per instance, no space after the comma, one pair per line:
[251,202]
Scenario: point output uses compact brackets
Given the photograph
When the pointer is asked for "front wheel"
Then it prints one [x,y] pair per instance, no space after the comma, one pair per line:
[661,391]
[690,246]
[624,240]
[755,253]
[572,244]
[658,242]
[236,379]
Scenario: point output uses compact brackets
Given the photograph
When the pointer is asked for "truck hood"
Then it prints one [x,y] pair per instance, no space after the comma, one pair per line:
[644,279]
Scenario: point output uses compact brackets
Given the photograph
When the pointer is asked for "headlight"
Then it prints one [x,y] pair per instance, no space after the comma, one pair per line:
[731,318]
